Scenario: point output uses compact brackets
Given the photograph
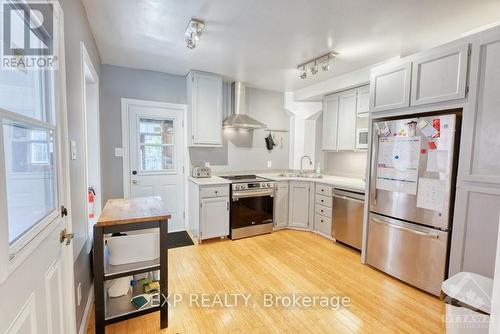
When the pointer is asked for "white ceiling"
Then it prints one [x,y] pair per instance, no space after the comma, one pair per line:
[260,42]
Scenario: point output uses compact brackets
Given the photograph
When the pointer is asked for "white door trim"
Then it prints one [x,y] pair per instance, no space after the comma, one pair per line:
[126,132]
[86,63]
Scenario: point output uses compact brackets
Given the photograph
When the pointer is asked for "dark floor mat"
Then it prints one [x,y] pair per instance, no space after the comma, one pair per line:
[179,239]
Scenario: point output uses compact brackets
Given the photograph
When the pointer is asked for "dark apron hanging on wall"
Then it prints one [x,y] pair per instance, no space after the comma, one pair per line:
[270,142]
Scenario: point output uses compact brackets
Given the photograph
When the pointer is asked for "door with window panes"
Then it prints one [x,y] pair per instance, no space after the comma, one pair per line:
[156,156]
[36,269]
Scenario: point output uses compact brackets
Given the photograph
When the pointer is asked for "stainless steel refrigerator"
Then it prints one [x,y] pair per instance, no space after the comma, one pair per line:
[411,198]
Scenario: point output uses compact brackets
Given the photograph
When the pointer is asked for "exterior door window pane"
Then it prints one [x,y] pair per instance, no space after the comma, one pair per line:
[26,92]
[156,145]
[30,176]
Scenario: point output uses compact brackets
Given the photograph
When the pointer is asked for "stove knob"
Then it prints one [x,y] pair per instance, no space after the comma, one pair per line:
[269,185]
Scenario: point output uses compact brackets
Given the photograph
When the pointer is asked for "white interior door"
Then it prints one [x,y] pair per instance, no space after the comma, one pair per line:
[36,269]
[155,155]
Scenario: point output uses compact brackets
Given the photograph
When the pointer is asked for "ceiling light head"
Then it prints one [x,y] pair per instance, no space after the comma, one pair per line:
[190,43]
[303,72]
[193,32]
[314,68]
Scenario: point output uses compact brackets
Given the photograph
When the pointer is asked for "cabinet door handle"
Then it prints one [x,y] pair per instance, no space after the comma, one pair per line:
[227,206]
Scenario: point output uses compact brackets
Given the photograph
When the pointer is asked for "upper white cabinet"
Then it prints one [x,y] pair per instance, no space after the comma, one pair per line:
[345,116]
[299,204]
[330,122]
[430,77]
[204,100]
[440,76]
[347,121]
[363,100]
[390,86]
[481,138]
[281,205]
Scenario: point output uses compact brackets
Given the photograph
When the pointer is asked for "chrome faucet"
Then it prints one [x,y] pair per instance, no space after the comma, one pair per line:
[302,161]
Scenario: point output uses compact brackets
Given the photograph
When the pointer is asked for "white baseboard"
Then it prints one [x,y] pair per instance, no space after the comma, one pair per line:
[86,313]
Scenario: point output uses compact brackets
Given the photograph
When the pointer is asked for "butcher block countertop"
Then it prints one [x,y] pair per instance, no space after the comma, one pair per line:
[135,210]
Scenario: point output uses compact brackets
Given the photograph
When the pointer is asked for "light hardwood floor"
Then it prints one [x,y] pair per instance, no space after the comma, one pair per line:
[282,263]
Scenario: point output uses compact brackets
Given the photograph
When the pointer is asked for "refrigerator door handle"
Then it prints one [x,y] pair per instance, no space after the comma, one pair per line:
[374,164]
[429,235]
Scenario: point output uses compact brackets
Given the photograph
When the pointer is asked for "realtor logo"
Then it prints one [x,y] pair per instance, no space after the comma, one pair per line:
[28,40]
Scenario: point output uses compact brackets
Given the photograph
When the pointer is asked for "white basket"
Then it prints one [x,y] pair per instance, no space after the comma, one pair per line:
[137,247]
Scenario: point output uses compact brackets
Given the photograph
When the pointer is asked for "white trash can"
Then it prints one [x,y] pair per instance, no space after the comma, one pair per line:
[468,303]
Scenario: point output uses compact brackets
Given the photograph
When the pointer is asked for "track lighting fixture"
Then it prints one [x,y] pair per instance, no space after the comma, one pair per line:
[313,65]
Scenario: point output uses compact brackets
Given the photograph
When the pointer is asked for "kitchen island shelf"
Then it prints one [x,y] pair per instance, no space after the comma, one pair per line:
[112,272]
[120,308]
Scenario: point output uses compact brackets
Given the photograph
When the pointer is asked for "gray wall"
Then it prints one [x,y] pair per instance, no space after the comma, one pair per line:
[76,29]
[246,150]
[117,83]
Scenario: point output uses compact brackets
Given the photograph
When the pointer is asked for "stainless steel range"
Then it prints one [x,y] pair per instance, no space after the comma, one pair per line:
[251,209]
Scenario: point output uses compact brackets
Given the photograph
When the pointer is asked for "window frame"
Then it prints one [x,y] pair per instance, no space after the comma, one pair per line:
[53,111]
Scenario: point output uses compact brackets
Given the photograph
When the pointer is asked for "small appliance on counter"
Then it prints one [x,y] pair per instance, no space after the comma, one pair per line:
[201,172]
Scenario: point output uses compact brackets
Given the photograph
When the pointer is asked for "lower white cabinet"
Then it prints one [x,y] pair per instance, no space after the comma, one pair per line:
[323,225]
[299,204]
[214,217]
[475,230]
[281,205]
[208,210]
[323,209]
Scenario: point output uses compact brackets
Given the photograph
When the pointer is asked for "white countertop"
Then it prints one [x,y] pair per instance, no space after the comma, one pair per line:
[207,181]
[336,181]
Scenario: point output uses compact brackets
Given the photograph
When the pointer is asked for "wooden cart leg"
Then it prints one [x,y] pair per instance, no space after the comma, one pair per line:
[163,273]
[99,280]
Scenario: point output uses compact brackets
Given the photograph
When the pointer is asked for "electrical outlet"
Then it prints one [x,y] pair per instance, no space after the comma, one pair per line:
[269,164]
[79,293]
[118,152]
[207,164]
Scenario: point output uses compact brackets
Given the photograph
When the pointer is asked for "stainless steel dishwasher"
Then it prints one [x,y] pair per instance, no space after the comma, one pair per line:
[347,218]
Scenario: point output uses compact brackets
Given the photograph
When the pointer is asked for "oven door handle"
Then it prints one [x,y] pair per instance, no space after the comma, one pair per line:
[252,193]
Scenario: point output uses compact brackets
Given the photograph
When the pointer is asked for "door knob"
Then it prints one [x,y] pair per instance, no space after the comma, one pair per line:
[66,236]
[134,172]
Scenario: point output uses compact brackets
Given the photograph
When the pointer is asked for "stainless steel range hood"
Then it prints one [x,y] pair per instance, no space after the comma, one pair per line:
[239,119]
